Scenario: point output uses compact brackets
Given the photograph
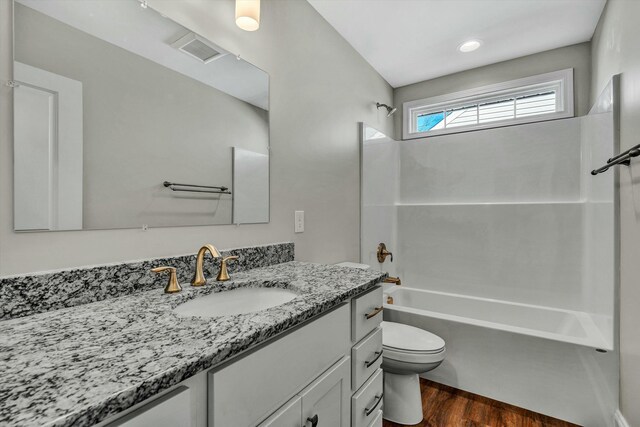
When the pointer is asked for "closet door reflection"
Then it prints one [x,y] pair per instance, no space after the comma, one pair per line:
[47,150]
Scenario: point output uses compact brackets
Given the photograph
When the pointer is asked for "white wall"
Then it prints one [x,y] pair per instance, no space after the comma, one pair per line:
[615,50]
[320,89]
[577,57]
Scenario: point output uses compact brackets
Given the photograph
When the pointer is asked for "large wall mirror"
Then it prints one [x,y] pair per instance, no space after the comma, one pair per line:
[125,119]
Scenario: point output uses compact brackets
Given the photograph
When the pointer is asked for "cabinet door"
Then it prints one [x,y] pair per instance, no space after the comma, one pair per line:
[288,416]
[325,403]
[171,410]
[246,391]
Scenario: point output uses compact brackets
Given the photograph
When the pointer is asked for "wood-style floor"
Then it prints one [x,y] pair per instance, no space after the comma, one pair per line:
[445,406]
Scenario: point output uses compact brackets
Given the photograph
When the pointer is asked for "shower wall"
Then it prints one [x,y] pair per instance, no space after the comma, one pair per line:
[495,214]
[599,214]
[510,213]
[379,189]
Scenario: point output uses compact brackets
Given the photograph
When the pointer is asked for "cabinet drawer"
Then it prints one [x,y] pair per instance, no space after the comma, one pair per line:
[366,358]
[290,415]
[377,421]
[366,313]
[367,401]
[246,391]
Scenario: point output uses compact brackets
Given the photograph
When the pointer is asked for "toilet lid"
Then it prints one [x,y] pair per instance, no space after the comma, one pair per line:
[409,338]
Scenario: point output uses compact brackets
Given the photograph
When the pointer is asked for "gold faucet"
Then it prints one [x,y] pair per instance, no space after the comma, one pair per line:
[172,286]
[383,253]
[223,275]
[394,280]
[198,276]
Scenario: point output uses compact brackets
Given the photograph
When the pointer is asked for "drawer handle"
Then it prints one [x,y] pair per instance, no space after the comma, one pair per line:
[375,312]
[313,420]
[368,411]
[378,355]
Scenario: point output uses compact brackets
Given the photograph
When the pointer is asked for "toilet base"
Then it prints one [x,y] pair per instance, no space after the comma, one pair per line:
[402,399]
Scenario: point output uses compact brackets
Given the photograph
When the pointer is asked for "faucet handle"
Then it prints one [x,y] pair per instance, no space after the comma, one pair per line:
[223,275]
[172,286]
[383,253]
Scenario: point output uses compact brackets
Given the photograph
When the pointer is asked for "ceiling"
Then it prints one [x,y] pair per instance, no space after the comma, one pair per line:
[148,34]
[408,41]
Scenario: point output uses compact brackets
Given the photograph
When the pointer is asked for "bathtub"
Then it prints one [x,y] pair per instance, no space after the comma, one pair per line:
[544,322]
[539,358]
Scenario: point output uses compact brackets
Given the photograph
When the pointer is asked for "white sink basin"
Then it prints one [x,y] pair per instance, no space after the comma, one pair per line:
[235,301]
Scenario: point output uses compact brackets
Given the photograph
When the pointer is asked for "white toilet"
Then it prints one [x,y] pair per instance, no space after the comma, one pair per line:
[407,352]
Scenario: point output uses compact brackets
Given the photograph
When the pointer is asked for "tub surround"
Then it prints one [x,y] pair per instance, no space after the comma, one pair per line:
[30,294]
[82,364]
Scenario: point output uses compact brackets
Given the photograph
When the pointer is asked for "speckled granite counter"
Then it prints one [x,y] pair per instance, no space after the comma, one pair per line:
[36,293]
[80,365]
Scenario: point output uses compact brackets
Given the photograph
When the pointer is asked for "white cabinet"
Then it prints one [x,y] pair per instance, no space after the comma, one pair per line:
[290,415]
[366,404]
[366,358]
[366,313]
[246,391]
[325,403]
[377,421]
[171,410]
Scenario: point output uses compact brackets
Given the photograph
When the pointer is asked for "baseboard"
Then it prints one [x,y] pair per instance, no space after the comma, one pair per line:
[620,421]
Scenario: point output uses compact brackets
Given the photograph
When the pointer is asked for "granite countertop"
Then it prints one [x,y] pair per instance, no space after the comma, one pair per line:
[80,365]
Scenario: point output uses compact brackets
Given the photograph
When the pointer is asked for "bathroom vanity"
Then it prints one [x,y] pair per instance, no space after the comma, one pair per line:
[307,376]
[134,360]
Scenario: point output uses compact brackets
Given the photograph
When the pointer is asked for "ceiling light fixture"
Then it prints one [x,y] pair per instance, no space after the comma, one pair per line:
[469,46]
[248,14]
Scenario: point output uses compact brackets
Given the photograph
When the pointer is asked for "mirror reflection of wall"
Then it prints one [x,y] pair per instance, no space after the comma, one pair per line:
[251,184]
[112,100]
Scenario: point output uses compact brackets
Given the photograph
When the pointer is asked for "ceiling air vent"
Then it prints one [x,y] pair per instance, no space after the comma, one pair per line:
[198,48]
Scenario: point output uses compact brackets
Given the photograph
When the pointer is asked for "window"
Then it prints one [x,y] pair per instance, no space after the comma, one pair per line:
[543,97]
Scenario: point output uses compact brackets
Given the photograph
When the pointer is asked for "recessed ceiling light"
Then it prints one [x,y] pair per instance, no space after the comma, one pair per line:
[469,46]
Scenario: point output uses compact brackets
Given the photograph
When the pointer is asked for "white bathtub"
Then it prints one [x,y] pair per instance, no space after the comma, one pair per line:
[539,358]
[543,322]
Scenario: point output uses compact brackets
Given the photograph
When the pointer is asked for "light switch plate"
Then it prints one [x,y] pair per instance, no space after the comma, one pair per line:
[299,222]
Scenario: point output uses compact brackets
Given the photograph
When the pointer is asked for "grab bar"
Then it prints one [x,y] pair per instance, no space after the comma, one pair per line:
[620,159]
[219,190]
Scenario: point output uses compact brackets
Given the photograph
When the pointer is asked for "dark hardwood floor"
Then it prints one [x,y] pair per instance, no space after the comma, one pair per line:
[445,406]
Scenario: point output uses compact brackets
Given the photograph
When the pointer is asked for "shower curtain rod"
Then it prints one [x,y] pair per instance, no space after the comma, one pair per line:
[621,159]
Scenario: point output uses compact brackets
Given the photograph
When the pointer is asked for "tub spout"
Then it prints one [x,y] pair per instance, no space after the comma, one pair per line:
[394,280]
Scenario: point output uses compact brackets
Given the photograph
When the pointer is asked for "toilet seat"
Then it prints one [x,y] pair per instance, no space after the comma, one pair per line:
[413,357]
[410,344]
